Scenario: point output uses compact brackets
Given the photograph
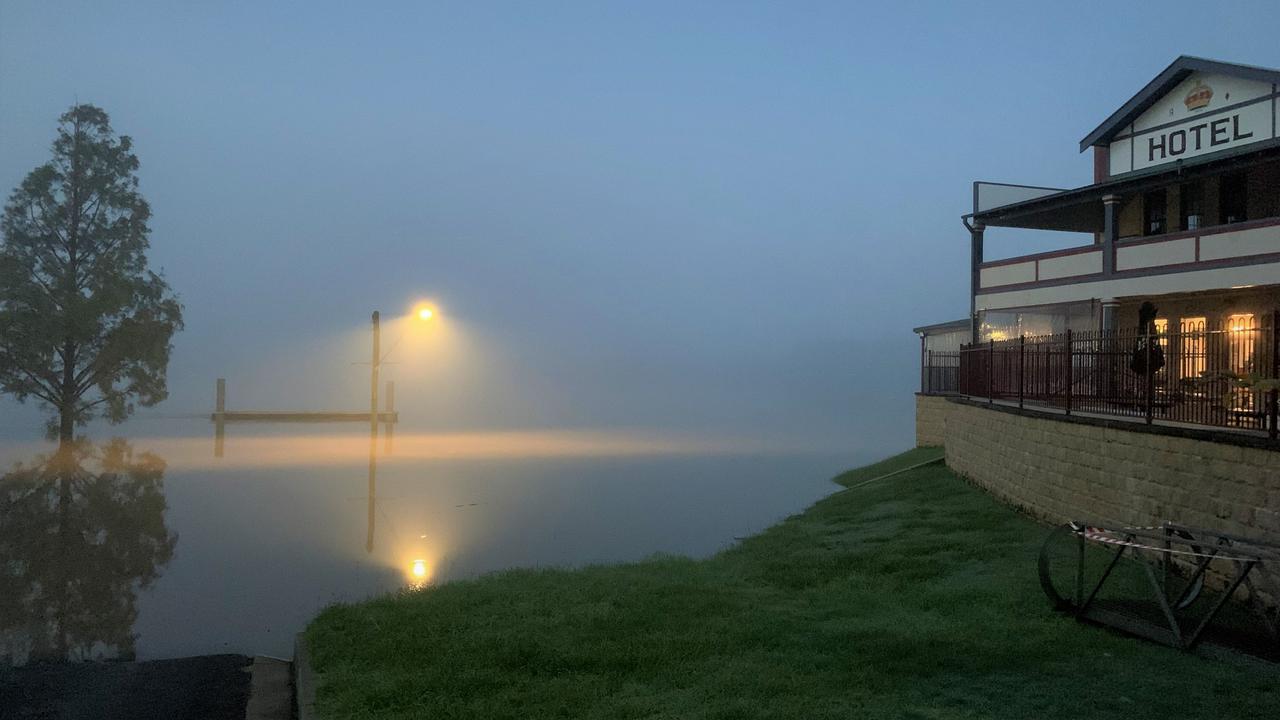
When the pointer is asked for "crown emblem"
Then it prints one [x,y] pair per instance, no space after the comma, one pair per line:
[1199,96]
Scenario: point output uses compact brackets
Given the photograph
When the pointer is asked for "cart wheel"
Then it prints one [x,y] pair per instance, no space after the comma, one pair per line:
[1193,592]
[1060,558]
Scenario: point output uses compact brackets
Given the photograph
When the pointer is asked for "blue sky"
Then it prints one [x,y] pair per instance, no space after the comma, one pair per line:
[720,216]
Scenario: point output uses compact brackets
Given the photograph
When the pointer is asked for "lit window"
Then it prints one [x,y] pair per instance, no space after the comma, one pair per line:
[1162,331]
[1191,359]
[1240,339]
[1240,322]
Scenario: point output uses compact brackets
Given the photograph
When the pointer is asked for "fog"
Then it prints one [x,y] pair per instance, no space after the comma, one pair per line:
[718,220]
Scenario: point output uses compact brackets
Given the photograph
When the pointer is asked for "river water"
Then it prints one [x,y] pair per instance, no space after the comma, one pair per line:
[169,543]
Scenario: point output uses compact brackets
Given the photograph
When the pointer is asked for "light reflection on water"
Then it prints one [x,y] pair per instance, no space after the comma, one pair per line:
[285,523]
[246,448]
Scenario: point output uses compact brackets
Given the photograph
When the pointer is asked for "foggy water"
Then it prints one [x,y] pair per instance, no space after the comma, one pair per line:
[246,548]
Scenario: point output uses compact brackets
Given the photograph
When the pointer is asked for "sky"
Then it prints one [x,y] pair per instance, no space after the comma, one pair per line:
[716,218]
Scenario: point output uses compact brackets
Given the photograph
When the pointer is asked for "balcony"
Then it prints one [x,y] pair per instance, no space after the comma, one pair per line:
[1239,246]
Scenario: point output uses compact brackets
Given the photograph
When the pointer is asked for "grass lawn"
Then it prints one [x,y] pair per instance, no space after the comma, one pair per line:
[912,597]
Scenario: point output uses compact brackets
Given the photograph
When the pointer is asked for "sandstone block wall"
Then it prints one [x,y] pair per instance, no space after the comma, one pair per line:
[931,414]
[1062,470]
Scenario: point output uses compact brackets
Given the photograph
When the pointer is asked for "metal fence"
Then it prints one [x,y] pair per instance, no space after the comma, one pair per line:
[1183,374]
[940,372]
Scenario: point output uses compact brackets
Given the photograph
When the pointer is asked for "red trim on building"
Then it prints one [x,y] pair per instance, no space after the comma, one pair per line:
[1170,269]
[1202,232]
[1068,280]
[1136,241]
[1101,164]
[1043,256]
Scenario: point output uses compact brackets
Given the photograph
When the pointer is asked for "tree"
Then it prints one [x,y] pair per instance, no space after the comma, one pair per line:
[85,326]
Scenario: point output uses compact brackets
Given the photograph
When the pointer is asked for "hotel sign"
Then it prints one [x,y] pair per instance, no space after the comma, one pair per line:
[1204,114]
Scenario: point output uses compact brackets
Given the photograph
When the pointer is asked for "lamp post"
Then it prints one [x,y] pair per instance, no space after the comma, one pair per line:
[373,429]
[424,314]
[373,376]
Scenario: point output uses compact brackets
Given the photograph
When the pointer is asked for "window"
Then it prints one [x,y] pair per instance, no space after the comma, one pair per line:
[1162,331]
[1161,328]
[1241,335]
[1046,320]
[1191,359]
[1233,199]
[1191,206]
[1153,213]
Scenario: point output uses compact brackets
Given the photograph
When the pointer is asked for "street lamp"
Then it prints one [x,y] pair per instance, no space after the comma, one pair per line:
[373,379]
[424,313]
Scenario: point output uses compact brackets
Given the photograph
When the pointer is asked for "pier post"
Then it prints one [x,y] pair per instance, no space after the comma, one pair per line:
[390,401]
[219,418]
[373,431]
[373,376]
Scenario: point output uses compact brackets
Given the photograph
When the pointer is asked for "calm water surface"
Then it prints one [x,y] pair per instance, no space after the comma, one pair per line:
[153,547]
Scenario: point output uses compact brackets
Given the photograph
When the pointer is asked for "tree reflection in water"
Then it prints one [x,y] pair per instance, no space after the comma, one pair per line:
[81,533]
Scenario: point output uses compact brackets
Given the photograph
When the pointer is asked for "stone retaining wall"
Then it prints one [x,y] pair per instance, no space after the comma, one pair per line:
[931,414]
[1063,469]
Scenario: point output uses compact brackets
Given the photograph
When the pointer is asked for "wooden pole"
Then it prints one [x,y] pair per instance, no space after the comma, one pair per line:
[219,418]
[391,409]
[373,376]
[373,431]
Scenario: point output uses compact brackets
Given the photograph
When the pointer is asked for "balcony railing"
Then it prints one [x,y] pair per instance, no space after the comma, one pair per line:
[940,372]
[1250,242]
[1197,374]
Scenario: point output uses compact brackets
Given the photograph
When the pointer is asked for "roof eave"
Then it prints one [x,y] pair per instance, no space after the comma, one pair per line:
[1164,82]
[952,325]
[1257,152]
